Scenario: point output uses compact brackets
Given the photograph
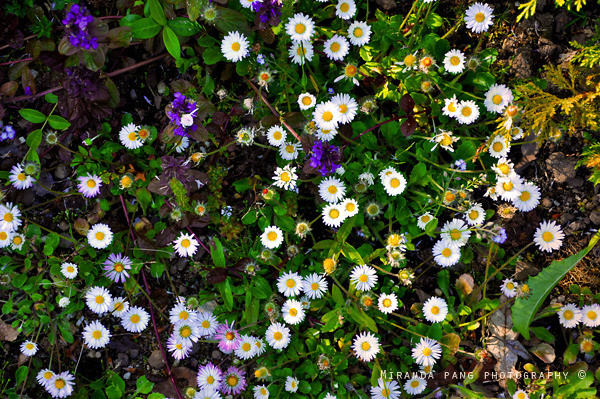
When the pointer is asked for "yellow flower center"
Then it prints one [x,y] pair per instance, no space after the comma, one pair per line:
[591,315]
[409,60]
[497,99]
[277,336]
[232,380]
[455,234]
[547,236]
[91,183]
[205,324]
[363,278]
[327,116]
[473,215]
[568,314]
[264,76]
[8,217]
[525,196]
[466,111]
[344,7]
[118,307]
[498,146]
[451,107]
[306,100]
[293,312]
[426,62]
[334,214]
[59,383]
[510,286]
[100,236]
[179,346]
[328,264]
[236,46]
[587,346]
[449,197]
[97,334]
[301,51]
[70,269]
[335,47]
[21,177]
[387,303]
[132,136]
[230,336]
[512,111]
[285,176]
[435,310]
[17,240]
[290,283]
[446,252]
[454,60]
[290,149]
[134,319]
[508,186]
[29,346]
[358,32]
[263,391]
[246,347]
[479,17]
[125,181]
[119,267]
[343,108]
[48,375]
[300,29]
[350,207]
[521,395]
[277,134]
[425,218]
[314,286]
[395,183]
[414,384]
[446,140]
[365,346]
[185,243]
[99,299]
[350,70]
[272,236]
[3,235]
[210,379]
[143,133]
[185,331]
[426,352]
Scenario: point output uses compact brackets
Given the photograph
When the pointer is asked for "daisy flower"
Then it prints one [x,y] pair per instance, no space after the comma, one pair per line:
[314,286]
[326,134]
[520,394]
[529,198]
[372,210]
[207,323]
[289,151]
[61,385]
[450,107]
[29,348]
[475,215]
[89,185]
[347,107]
[20,180]
[290,284]
[115,267]
[548,236]
[445,253]
[499,147]
[98,299]
[301,51]
[186,330]
[129,136]
[291,384]
[590,315]
[424,219]
[276,135]
[386,390]
[278,336]
[135,319]
[497,98]
[182,144]
[261,391]
[345,9]
[209,393]
[285,177]
[426,62]
[69,270]
[435,310]
[96,335]
[179,348]
[100,236]
[247,348]
[300,28]
[509,188]
[479,17]
[292,312]
[327,116]
[17,241]
[119,306]
[302,229]
[388,303]
[415,385]
[427,352]
[209,377]
[265,76]
[334,215]
[509,288]
[365,346]
[248,3]
[234,381]
[44,376]
[467,112]
[332,190]
[336,48]
[504,168]
[410,62]
[445,139]
[454,61]
[569,315]
[260,346]
[359,33]
[228,337]
[350,72]
[5,239]
[9,217]
[272,237]
[394,183]
[456,232]
[234,46]
[245,136]
[180,312]
[350,206]
[185,245]
[365,277]
[305,101]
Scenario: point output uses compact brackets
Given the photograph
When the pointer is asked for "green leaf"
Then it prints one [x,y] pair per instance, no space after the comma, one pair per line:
[7,307]
[113,392]
[540,286]
[58,122]
[157,269]
[337,295]
[156,12]
[34,139]
[231,20]
[443,280]
[145,28]
[172,42]
[217,254]
[19,280]
[418,173]
[212,55]
[543,334]
[32,115]
[183,26]
[144,197]
[21,374]
[66,333]
[243,67]
[434,21]
[226,294]
[51,243]
[51,98]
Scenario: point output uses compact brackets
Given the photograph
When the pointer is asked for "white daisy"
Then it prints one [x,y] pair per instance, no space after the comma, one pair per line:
[100,236]
[248,3]
[261,392]
[509,188]
[209,377]
[336,48]
[301,52]
[20,180]
[569,315]
[548,236]
[426,62]
[29,348]
[290,284]
[497,98]
[394,183]
[61,385]
[475,215]
[332,190]
[345,9]
[272,237]
[180,312]
[520,394]
[435,309]
[424,219]
[467,112]
[292,311]
[445,253]
[359,33]
[98,299]
[499,147]
[334,215]
[69,270]
[278,336]
[247,348]
[182,144]
[454,61]
[327,116]
[387,303]
[306,101]
[365,277]
[17,241]
[119,306]
[456,232]
[450,107]
[386,390]
[590,315]
[96,335]
[129,136]
[285,177]
[44,376]
[366,346]
[326,134]
[300,28]
[185,245]
[504,168]
[5,238]
[179,348]
[529,198]
[207,324]
[347,107]
[350,72]
[314,286]
[445,139]
[291,384]
[276,135]
[509,288]
[89,185]
[135,319]
[234,46]
[289,151]
[187,330]
[479,17]
[415,385]
[350,206]
[427,352]
[9,217]
[260,346]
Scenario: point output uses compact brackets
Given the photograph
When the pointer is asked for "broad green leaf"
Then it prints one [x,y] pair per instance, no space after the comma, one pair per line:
[144,197]
[183,26]
[51,98]
[157,269]
[21,374]
[212,55]
[226,294]
[32,115]
[540,286]
[58,122]
[145,28]
[34,139]
[217,254]
[113,392]
[51,243]
[337,295]
[172,42]
[231,20]
[156,12]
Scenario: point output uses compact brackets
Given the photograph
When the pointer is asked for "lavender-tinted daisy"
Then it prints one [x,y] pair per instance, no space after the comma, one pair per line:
[115,267]
[234,381]
[229,338]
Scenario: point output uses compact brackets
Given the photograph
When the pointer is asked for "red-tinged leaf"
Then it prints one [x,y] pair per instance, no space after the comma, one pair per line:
[216,275]
[9,89]
[407,104]
[408,127]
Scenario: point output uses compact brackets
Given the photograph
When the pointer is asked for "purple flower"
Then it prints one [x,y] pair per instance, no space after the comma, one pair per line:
[325,157]
[460,164]
[6,132]
[234,381]
[330,91]
[229,338]
[115,267]
[77,23]
[260,59]
[182,108]
[268,11]
[27,91]
[500,237]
